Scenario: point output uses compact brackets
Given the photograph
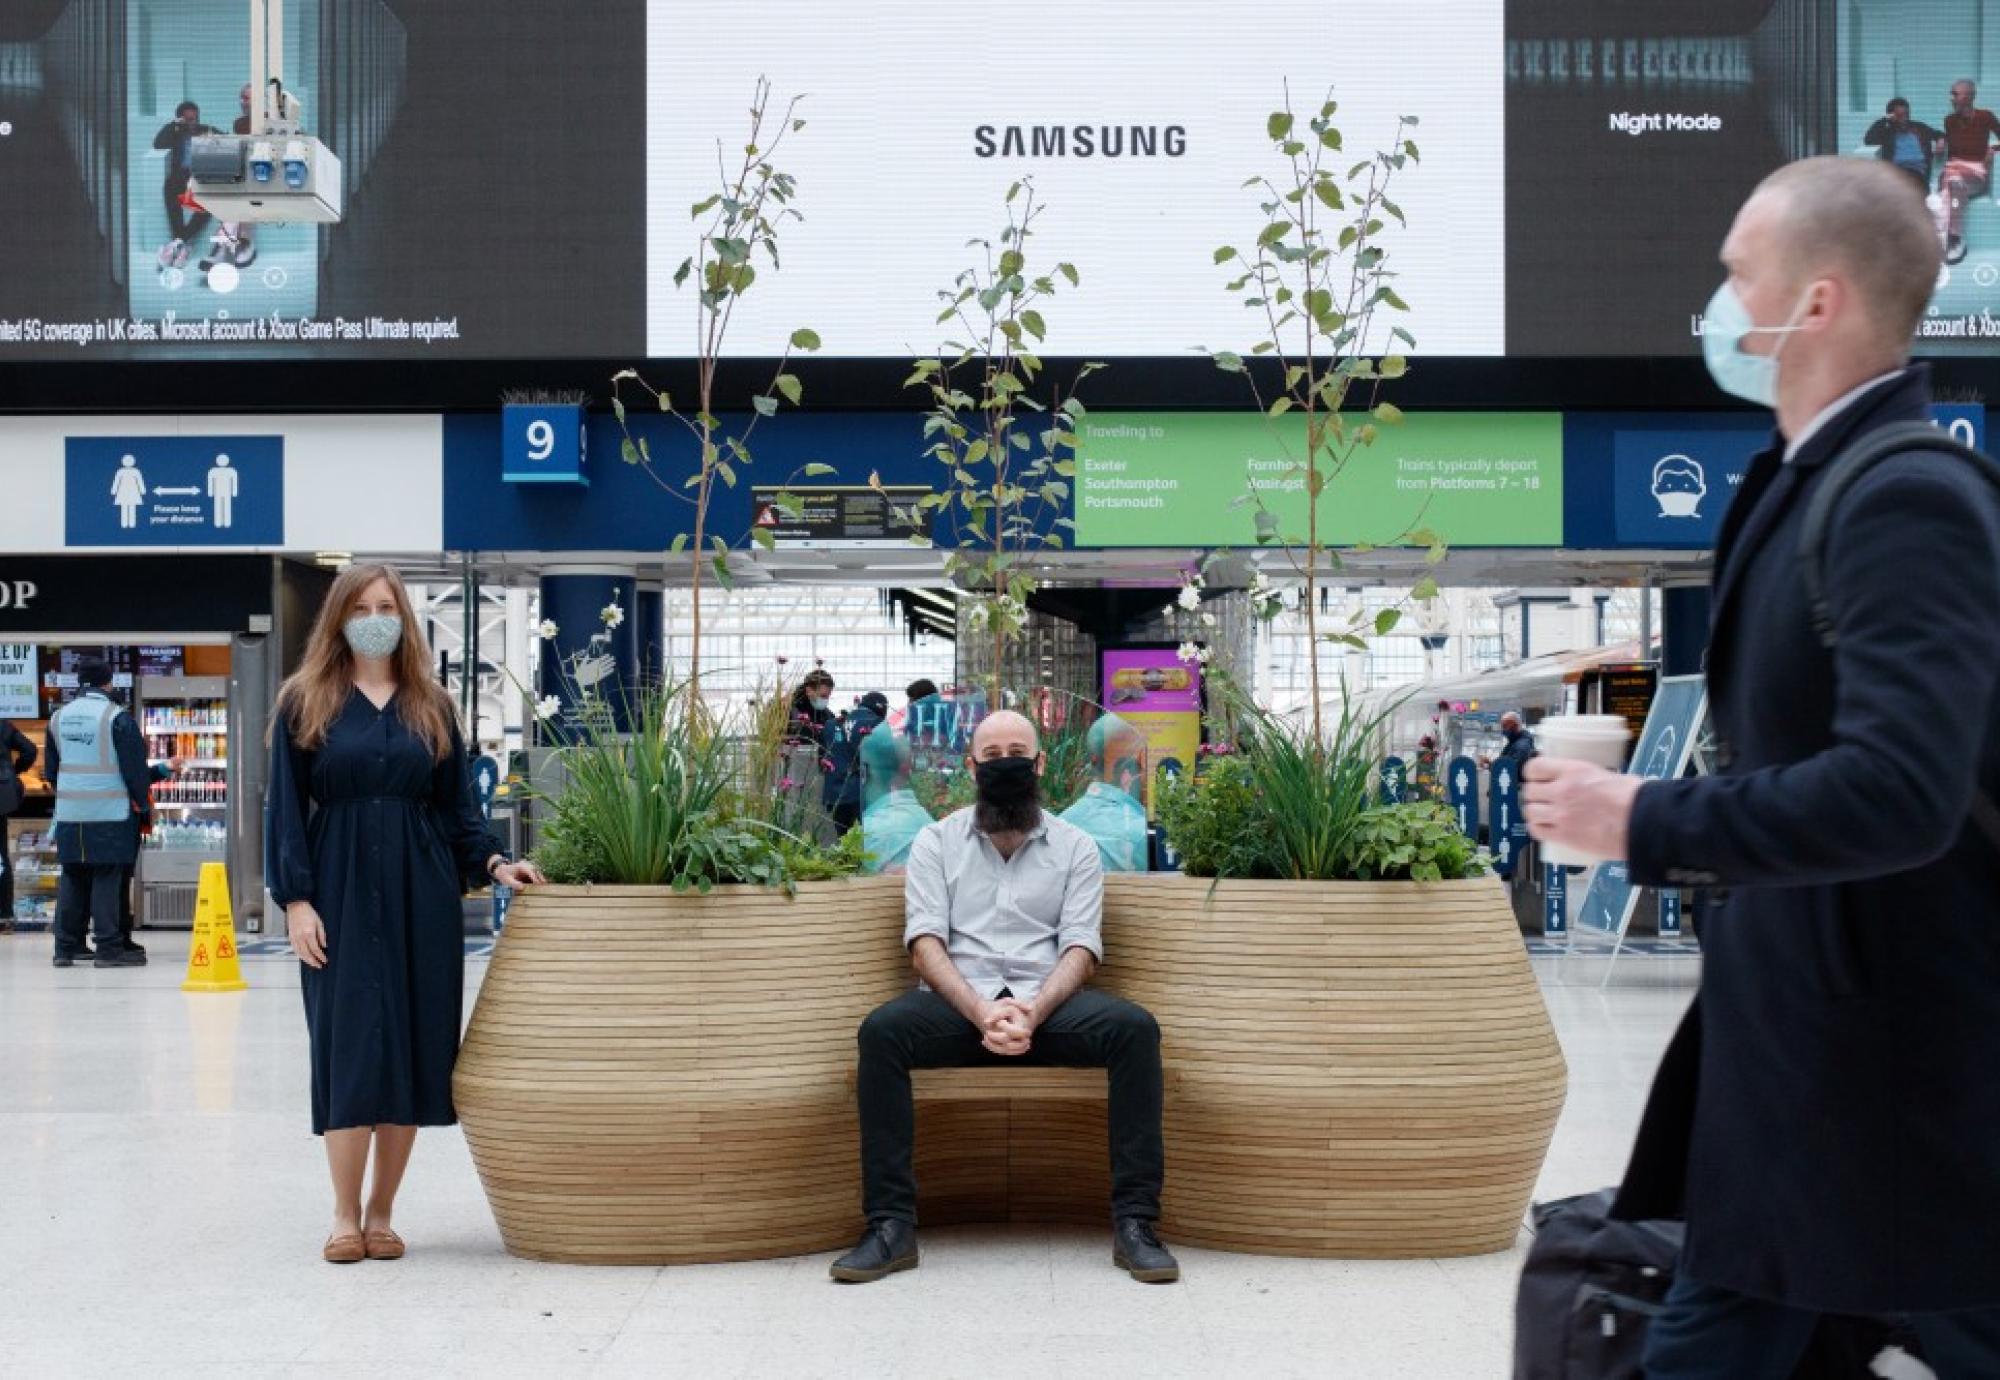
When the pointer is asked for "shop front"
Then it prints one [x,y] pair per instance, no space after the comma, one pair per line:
[197,644]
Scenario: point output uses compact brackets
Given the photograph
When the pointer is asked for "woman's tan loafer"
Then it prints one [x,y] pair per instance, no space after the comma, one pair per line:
[384,1245]
[345,1250]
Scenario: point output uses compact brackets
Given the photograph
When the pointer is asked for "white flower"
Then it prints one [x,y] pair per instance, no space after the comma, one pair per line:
[613,616]
[1259,581]
[976,618]
[1193,655]
[548,707]
[546,630]
[1208,620]
[1190,597]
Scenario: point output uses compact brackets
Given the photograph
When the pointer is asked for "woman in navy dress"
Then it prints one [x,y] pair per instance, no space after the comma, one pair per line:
[372,833]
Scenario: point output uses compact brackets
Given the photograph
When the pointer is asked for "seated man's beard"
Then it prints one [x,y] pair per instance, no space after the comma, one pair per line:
[1008,817]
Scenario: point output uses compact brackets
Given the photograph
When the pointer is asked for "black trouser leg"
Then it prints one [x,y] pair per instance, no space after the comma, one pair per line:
[918,1030]
[72,908]
[1095,1030]
[104,908]
[125,916]
[180,224]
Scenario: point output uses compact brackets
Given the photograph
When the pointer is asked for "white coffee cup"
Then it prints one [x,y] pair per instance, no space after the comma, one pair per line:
[1599,739]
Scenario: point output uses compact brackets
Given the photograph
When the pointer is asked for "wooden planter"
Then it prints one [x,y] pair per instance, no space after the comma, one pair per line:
[660,1079]
[1353,1069]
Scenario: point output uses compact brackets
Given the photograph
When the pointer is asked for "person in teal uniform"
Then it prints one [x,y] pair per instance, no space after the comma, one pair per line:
[893,817]
[1109,811]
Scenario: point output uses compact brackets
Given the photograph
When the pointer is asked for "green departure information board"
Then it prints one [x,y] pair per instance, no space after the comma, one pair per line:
[1180,479]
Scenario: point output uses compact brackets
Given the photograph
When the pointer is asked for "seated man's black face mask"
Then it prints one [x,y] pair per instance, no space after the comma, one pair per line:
[1009,792]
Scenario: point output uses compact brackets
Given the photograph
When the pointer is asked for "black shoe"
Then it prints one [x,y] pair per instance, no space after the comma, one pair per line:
[139,948]
[124,958]
[885,1248]
[70,960]
[1138,1252]
[135,954]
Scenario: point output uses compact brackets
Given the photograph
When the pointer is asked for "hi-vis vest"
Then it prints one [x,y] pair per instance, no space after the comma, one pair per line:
[89,788]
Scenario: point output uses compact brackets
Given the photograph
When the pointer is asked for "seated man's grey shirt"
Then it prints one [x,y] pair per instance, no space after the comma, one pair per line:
[1005,921]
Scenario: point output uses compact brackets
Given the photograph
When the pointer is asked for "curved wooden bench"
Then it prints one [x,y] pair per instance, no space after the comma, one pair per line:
[1351,1070]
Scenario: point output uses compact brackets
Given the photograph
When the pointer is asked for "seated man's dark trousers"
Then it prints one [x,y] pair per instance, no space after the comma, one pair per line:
[920,1030]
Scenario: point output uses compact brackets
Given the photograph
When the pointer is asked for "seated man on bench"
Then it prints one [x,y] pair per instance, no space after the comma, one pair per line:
[1004,906]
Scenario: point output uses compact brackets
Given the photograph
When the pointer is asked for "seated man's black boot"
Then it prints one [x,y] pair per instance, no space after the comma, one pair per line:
[1138,1252]
[885,1248]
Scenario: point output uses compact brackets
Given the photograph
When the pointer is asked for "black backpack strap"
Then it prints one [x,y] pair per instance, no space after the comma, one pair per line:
[1843,472]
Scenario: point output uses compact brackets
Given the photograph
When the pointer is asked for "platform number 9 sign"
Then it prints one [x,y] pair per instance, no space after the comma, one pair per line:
[541,439]
[543,444]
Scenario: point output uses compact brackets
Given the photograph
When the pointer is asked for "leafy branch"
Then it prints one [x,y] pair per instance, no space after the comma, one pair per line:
[1009,458]
[1317,275]
[753,200]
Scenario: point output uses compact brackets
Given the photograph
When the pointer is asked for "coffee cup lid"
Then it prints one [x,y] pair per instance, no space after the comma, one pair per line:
[1587,724]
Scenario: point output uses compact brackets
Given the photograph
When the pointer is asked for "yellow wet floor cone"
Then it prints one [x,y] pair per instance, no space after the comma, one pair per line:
[212,965]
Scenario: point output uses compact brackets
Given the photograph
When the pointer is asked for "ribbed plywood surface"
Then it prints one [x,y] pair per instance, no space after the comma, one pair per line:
[650,1078]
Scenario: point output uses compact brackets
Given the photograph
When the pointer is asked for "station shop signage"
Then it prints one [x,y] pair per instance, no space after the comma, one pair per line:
[839,514]
[1159,695]
[1181,479]
[18,662]
[174,491]
[135,594]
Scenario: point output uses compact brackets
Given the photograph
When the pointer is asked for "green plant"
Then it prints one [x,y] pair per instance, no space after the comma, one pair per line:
[1417,842]
[1314,784]
[743,217]
[1216,821]
[1287,802]
[664,805]
[1317,274]
[806,861]
[1007,479]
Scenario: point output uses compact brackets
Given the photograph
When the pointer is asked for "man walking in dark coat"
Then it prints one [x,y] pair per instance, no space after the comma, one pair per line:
[1829,1113]
[97,765]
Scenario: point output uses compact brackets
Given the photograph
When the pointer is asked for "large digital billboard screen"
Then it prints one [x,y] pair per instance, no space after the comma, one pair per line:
[518,176]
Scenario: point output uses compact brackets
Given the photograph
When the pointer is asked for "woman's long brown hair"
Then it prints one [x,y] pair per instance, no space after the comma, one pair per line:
[317,693]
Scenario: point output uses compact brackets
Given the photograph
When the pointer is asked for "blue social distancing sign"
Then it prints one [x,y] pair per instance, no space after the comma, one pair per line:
[154,491]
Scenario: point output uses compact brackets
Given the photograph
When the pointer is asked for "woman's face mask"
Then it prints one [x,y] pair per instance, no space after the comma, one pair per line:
[375,636]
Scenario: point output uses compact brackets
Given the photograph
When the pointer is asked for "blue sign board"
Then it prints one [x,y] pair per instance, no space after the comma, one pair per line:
[1509,829]
[1663,479]
[543,444]
[486,781]
[1672,725]
[1395,777]
[1673,486]
[1555,900]
[1461,784]
[1670,913]
[141,491]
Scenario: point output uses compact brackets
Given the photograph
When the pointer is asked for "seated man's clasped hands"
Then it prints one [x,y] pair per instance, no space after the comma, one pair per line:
[1004,906]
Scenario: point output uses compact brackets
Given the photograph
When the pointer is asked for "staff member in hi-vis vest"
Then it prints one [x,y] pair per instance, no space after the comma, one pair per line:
[97,764]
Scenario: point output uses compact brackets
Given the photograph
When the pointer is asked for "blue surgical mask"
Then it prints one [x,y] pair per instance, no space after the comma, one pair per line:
[1753,378]
[374,637]
[820,703]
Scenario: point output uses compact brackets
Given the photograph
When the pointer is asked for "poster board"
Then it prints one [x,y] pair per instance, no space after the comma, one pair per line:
[1672,726]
